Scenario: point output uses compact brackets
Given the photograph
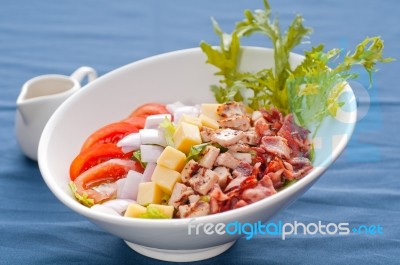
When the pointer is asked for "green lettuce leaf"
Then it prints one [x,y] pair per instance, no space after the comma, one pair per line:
[169,130]
[311,91]
[84,199]
[137,155]
[195,151]
[314,88]
[153,213]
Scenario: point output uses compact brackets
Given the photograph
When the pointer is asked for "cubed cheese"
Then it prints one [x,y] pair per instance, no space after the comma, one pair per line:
[167,210]
[172,159]
[185,136]
[208,122]
[165,178]
[191,120]
[135,210]
[149,192]
[210,110]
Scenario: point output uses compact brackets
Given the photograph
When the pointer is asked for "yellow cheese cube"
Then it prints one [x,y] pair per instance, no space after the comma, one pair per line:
[210,110]
[208,122]
[167,210]
[185,136]
[165,178]
[149,192]
[191,120]
[172,159]
[135,210]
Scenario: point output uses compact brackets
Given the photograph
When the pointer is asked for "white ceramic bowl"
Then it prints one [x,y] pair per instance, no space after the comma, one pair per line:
[183,76]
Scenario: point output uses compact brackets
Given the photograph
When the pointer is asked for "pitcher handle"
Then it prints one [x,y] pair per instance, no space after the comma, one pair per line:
[81,72]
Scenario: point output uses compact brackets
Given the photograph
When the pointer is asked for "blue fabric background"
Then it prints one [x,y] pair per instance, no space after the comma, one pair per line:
[362,187]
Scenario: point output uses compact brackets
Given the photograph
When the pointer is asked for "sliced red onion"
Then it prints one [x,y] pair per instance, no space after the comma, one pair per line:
[148,172]
[118,205]
[174,106]
[120,186]
[131,185]
[150,153]
[152,136]
[189,110]
[130,143]
[104,209]
[153,121]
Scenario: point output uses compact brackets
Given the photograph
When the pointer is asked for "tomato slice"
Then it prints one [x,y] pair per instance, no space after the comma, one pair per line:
[105,173]
[136,121]
[94,155]
[149,109]
[111,133]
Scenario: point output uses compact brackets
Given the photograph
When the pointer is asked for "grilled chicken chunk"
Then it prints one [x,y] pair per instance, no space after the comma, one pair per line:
[210,155]
[199,208]
[189,171]
[230,109]
[180,195]
[223,176]
[206,134]
[237,122]
[203,181]
[227,137]
[227,160]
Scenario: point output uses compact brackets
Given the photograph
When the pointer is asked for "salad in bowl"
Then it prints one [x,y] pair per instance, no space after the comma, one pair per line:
[177,161]
[148,151]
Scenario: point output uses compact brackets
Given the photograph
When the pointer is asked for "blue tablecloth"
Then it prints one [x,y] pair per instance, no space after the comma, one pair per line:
[361,188]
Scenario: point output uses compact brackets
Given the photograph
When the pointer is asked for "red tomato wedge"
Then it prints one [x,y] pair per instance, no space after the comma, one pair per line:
[149,109]
[105,173]
[94,155]
[136,121]
[111,133]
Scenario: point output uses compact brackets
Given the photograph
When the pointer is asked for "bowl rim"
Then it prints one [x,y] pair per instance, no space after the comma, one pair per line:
[71,203]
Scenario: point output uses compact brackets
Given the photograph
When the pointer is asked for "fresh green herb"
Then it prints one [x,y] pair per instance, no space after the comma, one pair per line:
[311,91]
[169,130]
[195,151]
[314,88]
[84,199]
[137,155]
[153,213]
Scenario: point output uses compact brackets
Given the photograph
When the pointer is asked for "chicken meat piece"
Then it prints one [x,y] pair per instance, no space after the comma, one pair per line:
[203,180]
[230,109]
[180,195]
[250,137]
[191,168]
[239,147]
[206,134]
[210,155]
[223,176]
[227,160]
[246,157]
[194,198]
[227,137]
[199,208]
[237,122]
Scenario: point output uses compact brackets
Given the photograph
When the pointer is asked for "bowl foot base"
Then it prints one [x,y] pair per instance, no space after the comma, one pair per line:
[180,255]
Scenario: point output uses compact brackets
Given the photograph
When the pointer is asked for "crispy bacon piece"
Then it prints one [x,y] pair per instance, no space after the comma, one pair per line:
[276,145]
[274,118]
[296,136]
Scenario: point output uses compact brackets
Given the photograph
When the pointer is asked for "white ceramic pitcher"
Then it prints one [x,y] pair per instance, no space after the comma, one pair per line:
[39,98]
